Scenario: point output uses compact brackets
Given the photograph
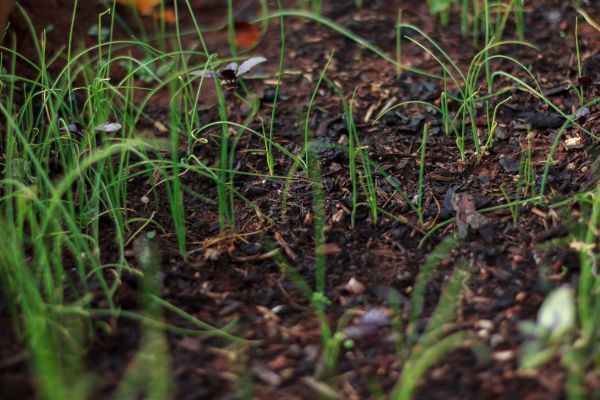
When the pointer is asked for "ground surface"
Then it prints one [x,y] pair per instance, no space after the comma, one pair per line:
[226,278]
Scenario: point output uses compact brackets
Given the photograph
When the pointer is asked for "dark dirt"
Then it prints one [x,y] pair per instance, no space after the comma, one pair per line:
[225,279]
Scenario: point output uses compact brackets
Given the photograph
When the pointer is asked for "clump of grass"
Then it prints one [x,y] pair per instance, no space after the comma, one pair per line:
[467,85]
[476,16]
[56,244]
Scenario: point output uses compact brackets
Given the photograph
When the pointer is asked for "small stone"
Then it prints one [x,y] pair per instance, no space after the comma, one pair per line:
[553,16]
[403,276]
[505,355]
[338,218]
[447,210]
[542,119]
[501,134]
[484,334]
[509,164]
[485,324]
[250,249]
[484,179]
[375,318]
[266,375]
[521,296]
[573,143]
[354,286]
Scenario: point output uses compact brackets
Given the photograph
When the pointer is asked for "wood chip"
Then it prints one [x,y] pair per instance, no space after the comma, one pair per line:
[161,127]
[329,249]
[257,257]
[286,247]
[321,388]
[539,213]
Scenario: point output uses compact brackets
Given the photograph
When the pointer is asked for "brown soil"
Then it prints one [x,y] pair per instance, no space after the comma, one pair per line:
[225,278]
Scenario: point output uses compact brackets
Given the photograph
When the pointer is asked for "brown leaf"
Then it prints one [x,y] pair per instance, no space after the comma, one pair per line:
[151,8]
[466,214]
[246,34]
[168,15]
[145,7]
[329,249]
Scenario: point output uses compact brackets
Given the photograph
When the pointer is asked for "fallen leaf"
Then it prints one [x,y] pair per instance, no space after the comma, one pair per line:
[246,34]
[329,249]
[466,214]
[151,8]
[145,7]
[109,127]
[557,314]
[168,15]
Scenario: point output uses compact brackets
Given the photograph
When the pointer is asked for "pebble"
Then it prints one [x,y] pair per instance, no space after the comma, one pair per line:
[485,324]
[573,143]
[518,259]
[505,355]
[354,286]
[509,164]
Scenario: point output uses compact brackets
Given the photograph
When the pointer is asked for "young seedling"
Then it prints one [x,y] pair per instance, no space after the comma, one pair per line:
[231,73]
[229,76]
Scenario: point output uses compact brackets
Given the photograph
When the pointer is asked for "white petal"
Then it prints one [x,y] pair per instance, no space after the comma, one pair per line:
[249,64]
[557,313]
[202,72]
[109,127]
[232,66]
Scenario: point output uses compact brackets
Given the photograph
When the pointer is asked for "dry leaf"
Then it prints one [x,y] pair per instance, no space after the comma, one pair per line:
[145,7]
[168,15]
[151,8]
[246,34]
[466,214]
[329,249]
